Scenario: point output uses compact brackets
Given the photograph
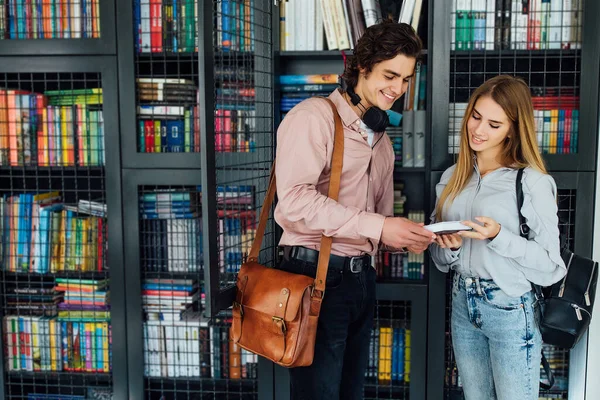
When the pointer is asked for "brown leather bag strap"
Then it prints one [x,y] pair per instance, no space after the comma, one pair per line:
[264,216]
[333,192]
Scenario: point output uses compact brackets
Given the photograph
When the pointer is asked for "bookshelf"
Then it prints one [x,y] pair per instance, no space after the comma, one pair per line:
[196,115]
[557,71]
[87,28]
[48,180]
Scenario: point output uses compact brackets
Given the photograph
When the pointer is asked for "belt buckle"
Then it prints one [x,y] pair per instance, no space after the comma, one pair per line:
[356,262]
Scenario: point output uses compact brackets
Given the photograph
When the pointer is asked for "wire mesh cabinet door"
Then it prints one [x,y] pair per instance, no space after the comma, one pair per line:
[237,139]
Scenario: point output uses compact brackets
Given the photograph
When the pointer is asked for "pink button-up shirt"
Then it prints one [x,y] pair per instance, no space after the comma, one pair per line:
[303,168]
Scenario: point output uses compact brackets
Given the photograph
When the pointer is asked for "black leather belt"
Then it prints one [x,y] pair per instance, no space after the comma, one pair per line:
[350,264]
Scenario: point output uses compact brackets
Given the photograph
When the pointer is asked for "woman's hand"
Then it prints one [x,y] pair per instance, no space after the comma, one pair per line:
[489,230]
[450,241]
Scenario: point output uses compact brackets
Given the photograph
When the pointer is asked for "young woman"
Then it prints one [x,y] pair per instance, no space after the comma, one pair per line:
[495,338]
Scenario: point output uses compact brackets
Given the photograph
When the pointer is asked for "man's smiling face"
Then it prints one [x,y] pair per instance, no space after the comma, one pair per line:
[387,82]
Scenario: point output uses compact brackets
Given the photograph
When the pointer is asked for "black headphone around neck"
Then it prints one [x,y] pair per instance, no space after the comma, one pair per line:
[373,117]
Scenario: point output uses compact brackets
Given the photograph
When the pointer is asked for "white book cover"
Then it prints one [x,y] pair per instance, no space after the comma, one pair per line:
[319,29]
[567,23]
[290,22]
[490,24]
[447,227]
[416,16]
[340,24]
[408,139]
[370,9]
[419,125]
[408,7]
[554,24]
[332,43]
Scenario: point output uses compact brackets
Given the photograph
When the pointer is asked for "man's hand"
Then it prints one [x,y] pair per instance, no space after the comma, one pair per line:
[417,249]
[401,232]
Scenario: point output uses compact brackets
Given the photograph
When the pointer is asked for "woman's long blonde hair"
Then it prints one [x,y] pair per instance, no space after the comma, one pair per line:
[520,146]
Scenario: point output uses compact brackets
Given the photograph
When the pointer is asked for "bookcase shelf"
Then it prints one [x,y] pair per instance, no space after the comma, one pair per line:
[60,378]
[104,45]
[549,53]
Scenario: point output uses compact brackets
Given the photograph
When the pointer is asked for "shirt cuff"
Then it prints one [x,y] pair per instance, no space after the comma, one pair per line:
[370,225]
[501,242]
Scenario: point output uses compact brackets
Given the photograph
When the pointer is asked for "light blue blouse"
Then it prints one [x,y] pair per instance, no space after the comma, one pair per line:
[510,260]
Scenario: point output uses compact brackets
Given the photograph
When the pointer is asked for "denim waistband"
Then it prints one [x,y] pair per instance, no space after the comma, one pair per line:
[475,282]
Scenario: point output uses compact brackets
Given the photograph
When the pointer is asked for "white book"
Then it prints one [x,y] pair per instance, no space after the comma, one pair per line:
[419,125]
[300,27]
[332,42]
[319,29]
[567,23]
[453,26]
[408,139]
[290,21]
[416,16]
[577,24]
[340,24]
[406,12]
[446,227]
[372,12]
[554,24]
[490,24]
[351,40]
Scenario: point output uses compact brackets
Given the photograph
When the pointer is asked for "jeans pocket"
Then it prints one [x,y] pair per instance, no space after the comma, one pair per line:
[334,279]
[495,297]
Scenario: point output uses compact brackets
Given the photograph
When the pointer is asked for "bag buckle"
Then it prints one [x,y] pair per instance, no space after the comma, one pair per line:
[279,319]
[312,292]
[238,305]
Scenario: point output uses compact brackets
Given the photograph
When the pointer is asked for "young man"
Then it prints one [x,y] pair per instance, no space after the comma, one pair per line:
[383,63]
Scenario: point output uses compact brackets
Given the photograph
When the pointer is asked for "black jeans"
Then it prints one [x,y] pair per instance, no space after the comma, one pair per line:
[343,335]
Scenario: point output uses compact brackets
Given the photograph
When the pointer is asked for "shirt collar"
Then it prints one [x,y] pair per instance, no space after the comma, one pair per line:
[347,114]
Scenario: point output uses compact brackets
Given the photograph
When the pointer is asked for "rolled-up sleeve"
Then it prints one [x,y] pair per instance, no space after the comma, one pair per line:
[444,259]
[303,139]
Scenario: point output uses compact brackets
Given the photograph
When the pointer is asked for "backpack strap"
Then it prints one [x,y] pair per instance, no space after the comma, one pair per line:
[537,289]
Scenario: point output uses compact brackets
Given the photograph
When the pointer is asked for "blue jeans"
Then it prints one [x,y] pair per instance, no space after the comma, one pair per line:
[497,344]
[343,336]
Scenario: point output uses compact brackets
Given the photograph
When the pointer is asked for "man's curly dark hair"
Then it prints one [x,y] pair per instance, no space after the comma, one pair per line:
[380,42]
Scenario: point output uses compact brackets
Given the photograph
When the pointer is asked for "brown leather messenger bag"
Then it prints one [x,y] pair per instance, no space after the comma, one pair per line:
[275,313]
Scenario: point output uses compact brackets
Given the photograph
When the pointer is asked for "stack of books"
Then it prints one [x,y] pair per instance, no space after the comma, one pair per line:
[168,120]
[37,298]
[296,88]
[169,299]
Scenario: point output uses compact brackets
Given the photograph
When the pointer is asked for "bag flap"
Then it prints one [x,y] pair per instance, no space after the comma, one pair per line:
[264,286]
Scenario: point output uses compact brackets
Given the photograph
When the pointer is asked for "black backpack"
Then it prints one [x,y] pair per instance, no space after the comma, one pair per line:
[563,310]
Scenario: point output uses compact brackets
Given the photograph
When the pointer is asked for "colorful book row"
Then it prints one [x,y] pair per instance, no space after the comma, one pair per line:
[516,24]
[39,129]
[41,235]
[389,355]
[50,344]
[49,19]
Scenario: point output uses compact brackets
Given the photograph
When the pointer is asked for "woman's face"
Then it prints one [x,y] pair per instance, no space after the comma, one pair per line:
[487,127]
